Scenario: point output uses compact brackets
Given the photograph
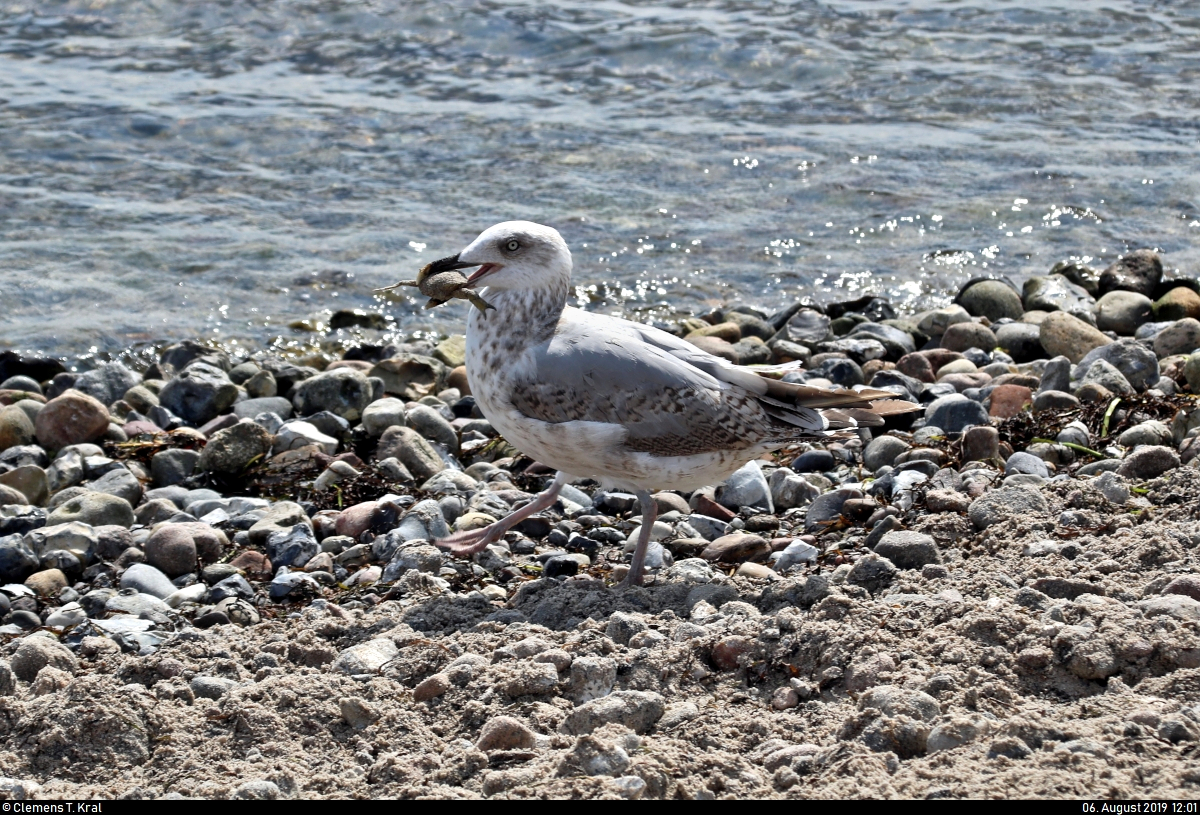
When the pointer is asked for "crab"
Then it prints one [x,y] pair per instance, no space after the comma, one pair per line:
[440,282]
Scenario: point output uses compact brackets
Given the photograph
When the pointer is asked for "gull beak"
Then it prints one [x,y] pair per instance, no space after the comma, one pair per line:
[448,265]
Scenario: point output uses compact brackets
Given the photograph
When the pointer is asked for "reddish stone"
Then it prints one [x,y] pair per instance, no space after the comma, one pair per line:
[874,366]
[916,366]
[736,548]
[726,652]
[457,378]
[1186,584]
[940,357]
[709,507]
[71,418]
[355,520]
[254,564]
[11,397]
[1009,400]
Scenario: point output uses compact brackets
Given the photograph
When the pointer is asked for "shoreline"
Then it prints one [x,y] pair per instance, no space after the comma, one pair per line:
[987,601]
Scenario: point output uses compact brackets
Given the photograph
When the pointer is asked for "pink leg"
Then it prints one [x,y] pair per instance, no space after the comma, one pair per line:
[638,563]
[463,544]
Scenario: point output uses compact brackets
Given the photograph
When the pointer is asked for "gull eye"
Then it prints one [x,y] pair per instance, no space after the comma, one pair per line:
[512,246]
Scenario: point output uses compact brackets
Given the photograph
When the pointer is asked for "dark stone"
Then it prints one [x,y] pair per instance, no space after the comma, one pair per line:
[560,566]
[814,461]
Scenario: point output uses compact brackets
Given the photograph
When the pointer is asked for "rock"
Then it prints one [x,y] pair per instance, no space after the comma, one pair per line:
[1147,433]
[788,490]
[1191,372]
[296,434]
[171,550]
[1102,374]
[378,416]
[955,413]
[198,394]
[281,516]
[1004,503]
[736,548]
[366,658]
[955,733]
[411,376]
[1113,488]
[1022,341]
[882,452]
[452,351]
[94,509]
[16,428]
[827,508]
[1148,462]
[107,383]
[872,572]
[1138,271]
[211,687]
[1007,401]
[908,550]
[1057,293]
[17,559]
[343,392]
[413,451]
[1186,584]
[1178,303]
[814,461]
[433,426]
[1068,336]
[992,299]
[1137,364]
[981,443]
[747,487]
[47,582]
[72,418]
[961,336]
[1123,311]
[637,710]
[946,501]
[714,346]
[431,687]
[934,323]
[119,482]
[36,652]
[1179,606]
[292,547]
[146,579]
[505,733]
[1027,463]
[1181,337]
[171,467]
[249,408]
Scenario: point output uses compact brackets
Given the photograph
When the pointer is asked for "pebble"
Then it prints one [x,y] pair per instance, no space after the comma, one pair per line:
[71,418]
[908,550]
[37,652]
[1148,462]
[636,710]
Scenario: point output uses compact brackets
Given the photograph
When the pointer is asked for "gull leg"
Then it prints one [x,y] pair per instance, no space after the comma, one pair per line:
[638,562]
[468,543]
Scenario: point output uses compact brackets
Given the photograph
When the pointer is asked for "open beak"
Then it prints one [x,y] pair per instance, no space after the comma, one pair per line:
[452,263]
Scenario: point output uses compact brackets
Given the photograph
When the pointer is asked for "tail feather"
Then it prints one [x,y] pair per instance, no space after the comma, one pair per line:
[838,409]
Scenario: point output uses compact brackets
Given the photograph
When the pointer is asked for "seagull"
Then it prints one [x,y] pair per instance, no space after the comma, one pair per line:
[626,404]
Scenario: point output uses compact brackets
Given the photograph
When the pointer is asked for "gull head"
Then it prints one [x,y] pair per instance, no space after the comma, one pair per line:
[514,255]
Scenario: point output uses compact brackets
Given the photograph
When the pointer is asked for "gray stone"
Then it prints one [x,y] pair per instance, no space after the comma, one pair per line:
[593,677]
[708,528]
[934,323]
[413,451]
[37,652]
[1022,341]
[1191,371]
[1113,488]
[1122,312]
[281,516]
[232,450]
[1074,433]
[1179,606]
[1102,373]
[94,509]
[1150,432]
[287,584]
[1138,271]
[872,572]
[198,394]
[424,521]
[249,408]
[637,710]
[1181,337]
[79,538]
[146,579]
[433,426]
[807,326]
[789,490]
[343,392]
[261,385]
[421,557]
[17,559]
[292,547]
[992,299]
[119,482]
[1056,375]
[1054,400]
[367,657]
[882,452]
[1057,293]
[378,416]
[211,687]
[908,550]
[1004,503]
[894,700]
[1021,462]
[1137,363]
[955,413]
[1148,462]
[411,376]
[747,487]
[108,383]
[895,341]
[827,508]
[296,434]
[171,467]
